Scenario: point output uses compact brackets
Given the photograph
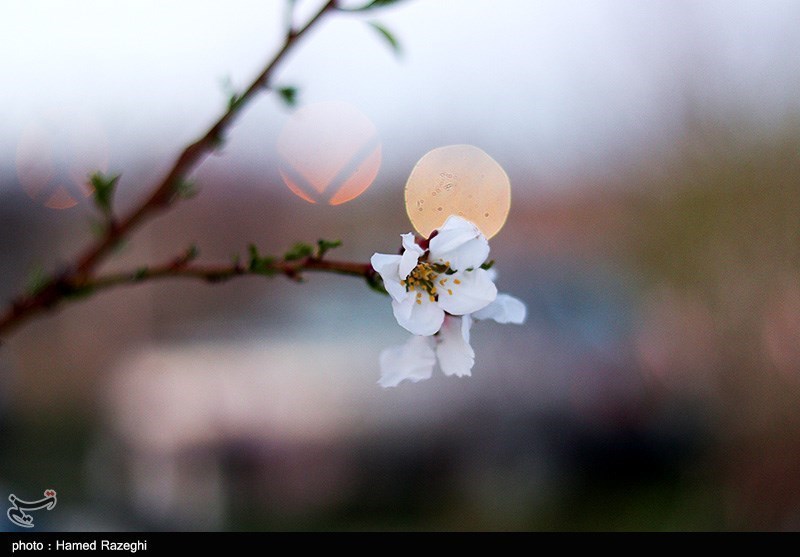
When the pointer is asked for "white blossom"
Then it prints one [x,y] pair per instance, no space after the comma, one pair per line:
[447,277]
[436,295]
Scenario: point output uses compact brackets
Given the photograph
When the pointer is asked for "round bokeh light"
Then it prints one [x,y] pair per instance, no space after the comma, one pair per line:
[329,153]
[458,180]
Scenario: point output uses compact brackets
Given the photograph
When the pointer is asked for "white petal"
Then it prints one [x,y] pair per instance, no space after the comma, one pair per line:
[466,324]
[505,309]
[410,243]
[460,243]
[411,255]
[453,233]
[456,356]
[387,267]
[475,291]
[413,360]
[423,319]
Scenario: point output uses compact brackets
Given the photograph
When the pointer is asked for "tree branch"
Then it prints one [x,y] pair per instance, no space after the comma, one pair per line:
[163,194]
[80,274]
[71,287]
[221,272]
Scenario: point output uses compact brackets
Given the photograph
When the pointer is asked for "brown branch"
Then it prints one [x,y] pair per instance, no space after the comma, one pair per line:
[163,194]
[71,287]
[63,285]
[219,272]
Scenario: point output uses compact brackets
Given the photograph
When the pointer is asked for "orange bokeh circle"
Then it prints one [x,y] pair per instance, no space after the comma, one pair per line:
[458,180]
[329,152]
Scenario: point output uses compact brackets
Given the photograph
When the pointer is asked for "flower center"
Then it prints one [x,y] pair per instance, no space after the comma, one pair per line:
[427,277]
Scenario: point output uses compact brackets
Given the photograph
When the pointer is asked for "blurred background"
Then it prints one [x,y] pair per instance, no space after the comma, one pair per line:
[652,149]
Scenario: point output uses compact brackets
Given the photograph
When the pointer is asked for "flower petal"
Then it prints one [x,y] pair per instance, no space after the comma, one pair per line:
[411,255]
[453,233]
[460,243]
[387,266]
[471,291]
[423,319]
[504,309]
[466,324]
[456,356]
[413,360]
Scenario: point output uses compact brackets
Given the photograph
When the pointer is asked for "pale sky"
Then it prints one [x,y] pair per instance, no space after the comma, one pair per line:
[552,88]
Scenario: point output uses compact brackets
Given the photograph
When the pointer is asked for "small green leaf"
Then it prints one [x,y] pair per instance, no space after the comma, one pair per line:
[226,84]
[186,189]
[252,251]
[488,265]
[192,253]
[387,35]
[234,100]
[298,251]
[288,95]
[261,265]
[323,246]
[36,281]
[103,187]
[371,5]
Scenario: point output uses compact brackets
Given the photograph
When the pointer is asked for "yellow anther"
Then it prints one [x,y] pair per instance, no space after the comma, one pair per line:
[449,291]
[456,281]
[423,278]
[433,299]
[419,301]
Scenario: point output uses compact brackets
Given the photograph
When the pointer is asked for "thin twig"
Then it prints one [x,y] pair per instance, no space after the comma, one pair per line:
[71,287]
[163,193]
[63,285]
[220,272]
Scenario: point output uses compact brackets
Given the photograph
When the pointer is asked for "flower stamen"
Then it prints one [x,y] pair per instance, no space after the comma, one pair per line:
[424,278]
